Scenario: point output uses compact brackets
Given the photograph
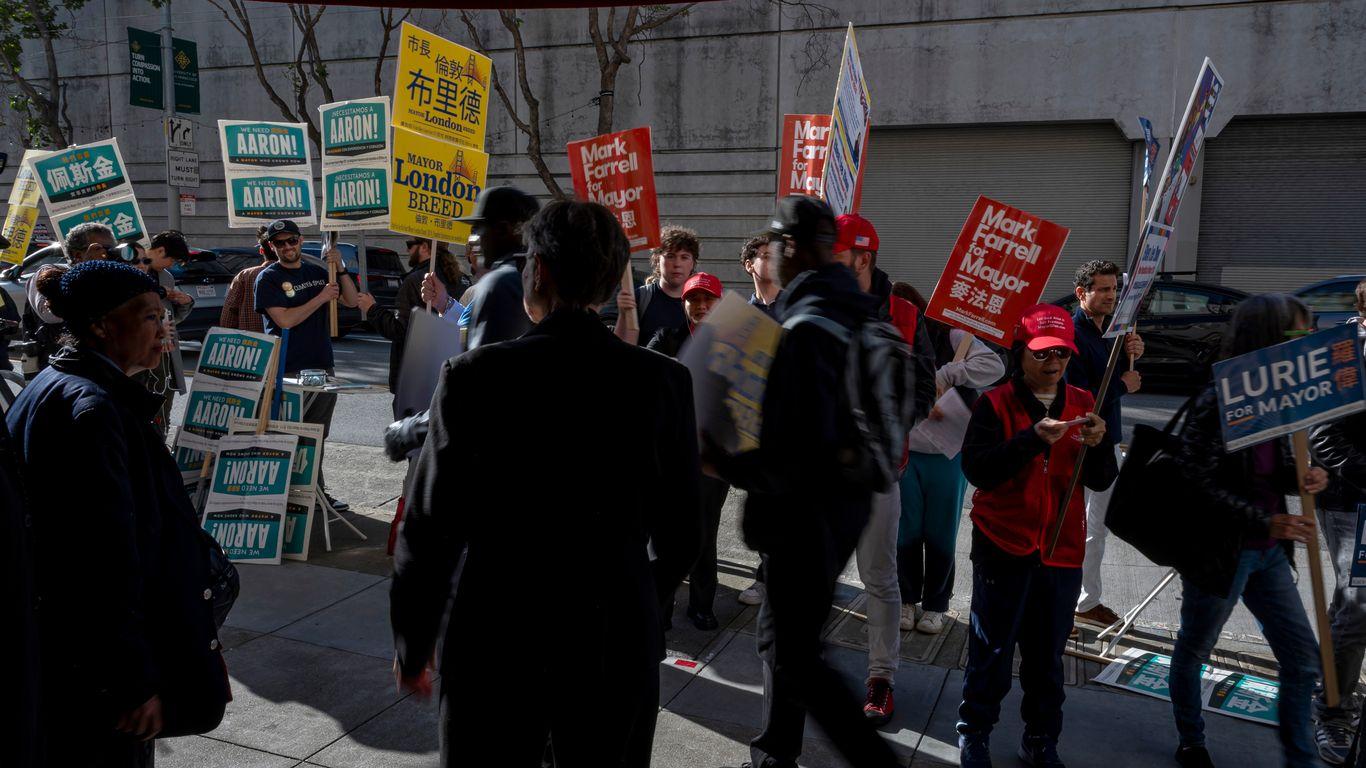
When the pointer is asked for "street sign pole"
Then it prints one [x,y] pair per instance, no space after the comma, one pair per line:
[168,105]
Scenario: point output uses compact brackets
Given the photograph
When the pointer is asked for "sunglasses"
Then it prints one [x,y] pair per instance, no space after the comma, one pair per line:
[1058,352]
[286,241]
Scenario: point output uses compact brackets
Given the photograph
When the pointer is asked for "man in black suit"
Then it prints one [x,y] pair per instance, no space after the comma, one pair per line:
[559,515]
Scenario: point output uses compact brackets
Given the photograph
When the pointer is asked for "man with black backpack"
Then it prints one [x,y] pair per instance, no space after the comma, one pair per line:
[856,245]
[810,484]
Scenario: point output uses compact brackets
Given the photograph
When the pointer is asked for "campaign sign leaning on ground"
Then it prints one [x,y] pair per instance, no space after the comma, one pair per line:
[729,355]
[617,170]
[1231,693]
[441,88]
[245,509]
[264,146]
[997,270]
[210,408]
[806,140]
[1125,319]
[80,177]
[849,123]
[122,215]
[1290,386]
[303,478]
[435,183]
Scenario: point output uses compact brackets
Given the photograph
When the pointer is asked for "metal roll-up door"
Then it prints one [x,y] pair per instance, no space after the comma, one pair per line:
[920,185]
[1283,201]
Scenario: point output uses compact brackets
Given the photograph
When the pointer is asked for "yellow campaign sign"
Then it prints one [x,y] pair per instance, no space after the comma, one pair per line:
[18,231]
[441,88]
[25,189]
[434,183]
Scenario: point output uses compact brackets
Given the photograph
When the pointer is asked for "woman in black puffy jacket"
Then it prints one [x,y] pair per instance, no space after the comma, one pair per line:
[1246,490]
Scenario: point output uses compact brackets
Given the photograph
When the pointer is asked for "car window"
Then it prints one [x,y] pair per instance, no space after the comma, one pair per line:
[195,270]
[1178,300]
[1333,297]
[31,268]
[348,251]
[385,260]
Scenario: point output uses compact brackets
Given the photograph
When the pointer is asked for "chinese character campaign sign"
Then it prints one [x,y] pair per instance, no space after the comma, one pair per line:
[997,270]
[616,170]
[442,88]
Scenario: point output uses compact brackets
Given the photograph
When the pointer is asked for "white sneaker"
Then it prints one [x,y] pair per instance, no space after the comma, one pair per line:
[931,623]
[753,594]
[910,614]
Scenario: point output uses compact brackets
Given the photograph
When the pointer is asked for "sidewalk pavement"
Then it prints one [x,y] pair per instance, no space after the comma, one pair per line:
[309,649]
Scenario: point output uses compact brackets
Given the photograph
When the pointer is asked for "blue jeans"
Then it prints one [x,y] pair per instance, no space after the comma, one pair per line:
[1264,581]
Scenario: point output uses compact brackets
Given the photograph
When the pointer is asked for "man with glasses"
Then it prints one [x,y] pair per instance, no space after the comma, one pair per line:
[1097,291]
[292,294]
[43,328]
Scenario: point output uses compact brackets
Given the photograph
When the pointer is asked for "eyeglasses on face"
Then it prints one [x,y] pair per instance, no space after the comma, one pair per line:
[1058,352]
[291,241]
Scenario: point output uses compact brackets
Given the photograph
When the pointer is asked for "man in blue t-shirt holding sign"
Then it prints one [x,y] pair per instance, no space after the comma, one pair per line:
[291,293]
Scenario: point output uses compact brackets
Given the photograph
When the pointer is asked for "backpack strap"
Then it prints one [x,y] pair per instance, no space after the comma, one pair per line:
[824,323]
[643,302]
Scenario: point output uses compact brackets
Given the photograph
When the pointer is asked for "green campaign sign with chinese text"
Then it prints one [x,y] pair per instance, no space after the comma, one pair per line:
[121,215]
[80,177]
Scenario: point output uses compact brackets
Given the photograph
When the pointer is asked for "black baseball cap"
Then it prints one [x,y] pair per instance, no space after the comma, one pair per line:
[282,225]
[502,204]
[799,217]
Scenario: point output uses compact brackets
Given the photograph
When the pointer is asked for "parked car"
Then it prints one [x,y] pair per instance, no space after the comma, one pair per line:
[1182,324]
[206,280]
[1333,300]
[384,270]
[14,279]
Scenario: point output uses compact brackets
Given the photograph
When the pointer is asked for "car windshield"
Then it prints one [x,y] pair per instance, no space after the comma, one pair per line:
[1333,297]
[384,260]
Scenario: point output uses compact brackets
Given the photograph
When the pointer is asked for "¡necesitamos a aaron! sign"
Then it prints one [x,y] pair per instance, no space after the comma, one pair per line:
[1289,386]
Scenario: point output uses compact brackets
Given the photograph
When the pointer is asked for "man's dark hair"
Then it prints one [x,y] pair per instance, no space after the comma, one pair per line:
[909,293]
[1361,297]
[583,248]
[174,243]
[673,238]
[1262,320]
[1085,277]
[78,239]
[751,248]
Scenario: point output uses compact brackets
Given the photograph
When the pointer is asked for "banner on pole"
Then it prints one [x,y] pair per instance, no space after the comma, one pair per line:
[997,270]
[122,216]
[849,123]
[145,73]
[1186,147]
[435,183]
[185,72]
[1125,319]
[264,146]
[617,170]
[1289,386]
[441,88]
[806,140]
[245,509]
[18,230]
[81,177]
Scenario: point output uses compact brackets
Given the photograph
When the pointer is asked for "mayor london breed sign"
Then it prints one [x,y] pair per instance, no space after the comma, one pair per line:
[1289,386]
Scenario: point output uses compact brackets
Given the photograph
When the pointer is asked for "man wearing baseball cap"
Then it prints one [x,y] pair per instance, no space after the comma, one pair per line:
[1021,446]
[291,294]
[802,512]
[701,292]
[495,307]
[856,245]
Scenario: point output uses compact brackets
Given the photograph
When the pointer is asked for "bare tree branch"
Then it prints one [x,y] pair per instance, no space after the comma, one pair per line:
[533,104]
[389,23]
[241,21]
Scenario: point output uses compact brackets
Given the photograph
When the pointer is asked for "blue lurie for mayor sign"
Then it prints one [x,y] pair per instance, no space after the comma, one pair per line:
[1289,386]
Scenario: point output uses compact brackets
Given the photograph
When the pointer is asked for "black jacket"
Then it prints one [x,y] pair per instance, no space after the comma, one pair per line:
[576,473]
[669,341]
[122,569]
[18,601]
[922,347]
[1220,481]
[794,477]
[496,311]
[1087,370]
[1340,447]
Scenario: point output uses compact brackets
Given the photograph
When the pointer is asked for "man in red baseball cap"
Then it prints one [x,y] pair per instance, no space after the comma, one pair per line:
[856,244]
[1021,446]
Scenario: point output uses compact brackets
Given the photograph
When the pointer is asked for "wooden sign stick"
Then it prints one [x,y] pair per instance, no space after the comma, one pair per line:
[960,353]
[627,284]
[431,267]
[328,245]
[268,394]
[1300,440]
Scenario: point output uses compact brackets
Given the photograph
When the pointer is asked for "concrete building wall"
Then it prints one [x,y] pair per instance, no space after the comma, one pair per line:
[714,84]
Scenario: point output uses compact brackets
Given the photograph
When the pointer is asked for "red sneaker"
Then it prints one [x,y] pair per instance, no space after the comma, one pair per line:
[880,704]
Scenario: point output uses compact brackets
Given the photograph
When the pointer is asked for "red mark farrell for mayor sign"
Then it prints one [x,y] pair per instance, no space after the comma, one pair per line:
[997,270]
[616,170]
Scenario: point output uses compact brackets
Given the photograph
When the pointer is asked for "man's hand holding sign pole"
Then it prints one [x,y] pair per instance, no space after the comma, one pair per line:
[1286,389]
[1175,178]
